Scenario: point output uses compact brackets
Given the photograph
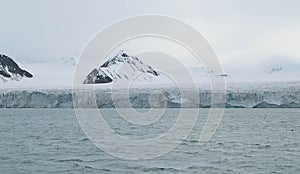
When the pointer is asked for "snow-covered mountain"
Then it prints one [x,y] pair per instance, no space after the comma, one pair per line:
[53,74]
[275,69]
[122,66]
[10,70]
[278,68]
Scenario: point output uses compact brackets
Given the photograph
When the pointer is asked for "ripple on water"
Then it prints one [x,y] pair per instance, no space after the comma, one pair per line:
[247,141]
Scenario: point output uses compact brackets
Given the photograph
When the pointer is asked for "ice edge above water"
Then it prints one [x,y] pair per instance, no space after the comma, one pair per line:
[264,97]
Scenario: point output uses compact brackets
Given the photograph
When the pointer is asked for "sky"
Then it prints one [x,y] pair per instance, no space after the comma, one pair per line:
[243,33]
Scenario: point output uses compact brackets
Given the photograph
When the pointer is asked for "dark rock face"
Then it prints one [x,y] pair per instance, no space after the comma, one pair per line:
[10,69]
[105,79]
[110,70]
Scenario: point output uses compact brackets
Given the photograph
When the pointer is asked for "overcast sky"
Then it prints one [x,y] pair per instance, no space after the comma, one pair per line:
[240,31]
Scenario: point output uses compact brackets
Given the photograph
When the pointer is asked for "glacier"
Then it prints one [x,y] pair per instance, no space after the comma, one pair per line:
[147,98]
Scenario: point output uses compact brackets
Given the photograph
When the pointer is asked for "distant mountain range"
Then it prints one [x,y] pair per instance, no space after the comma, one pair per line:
[139,71]
[123,66]
[10,70]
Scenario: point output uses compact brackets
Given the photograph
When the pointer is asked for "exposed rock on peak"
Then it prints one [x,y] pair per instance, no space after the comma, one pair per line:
[9,69]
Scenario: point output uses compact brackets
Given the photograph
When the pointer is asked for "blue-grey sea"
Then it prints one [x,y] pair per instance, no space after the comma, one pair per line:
[247,141]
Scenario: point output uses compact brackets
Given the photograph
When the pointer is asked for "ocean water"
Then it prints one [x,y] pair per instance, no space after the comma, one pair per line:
[247,141]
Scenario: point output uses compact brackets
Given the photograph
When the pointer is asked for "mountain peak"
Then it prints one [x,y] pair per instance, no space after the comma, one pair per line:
[9,69]
[121,66]
[122,56]
[123,53]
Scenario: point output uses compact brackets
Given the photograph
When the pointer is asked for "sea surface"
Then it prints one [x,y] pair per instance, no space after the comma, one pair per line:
[247,141]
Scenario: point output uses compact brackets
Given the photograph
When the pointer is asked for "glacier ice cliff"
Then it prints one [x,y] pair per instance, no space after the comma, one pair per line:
[146,98]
